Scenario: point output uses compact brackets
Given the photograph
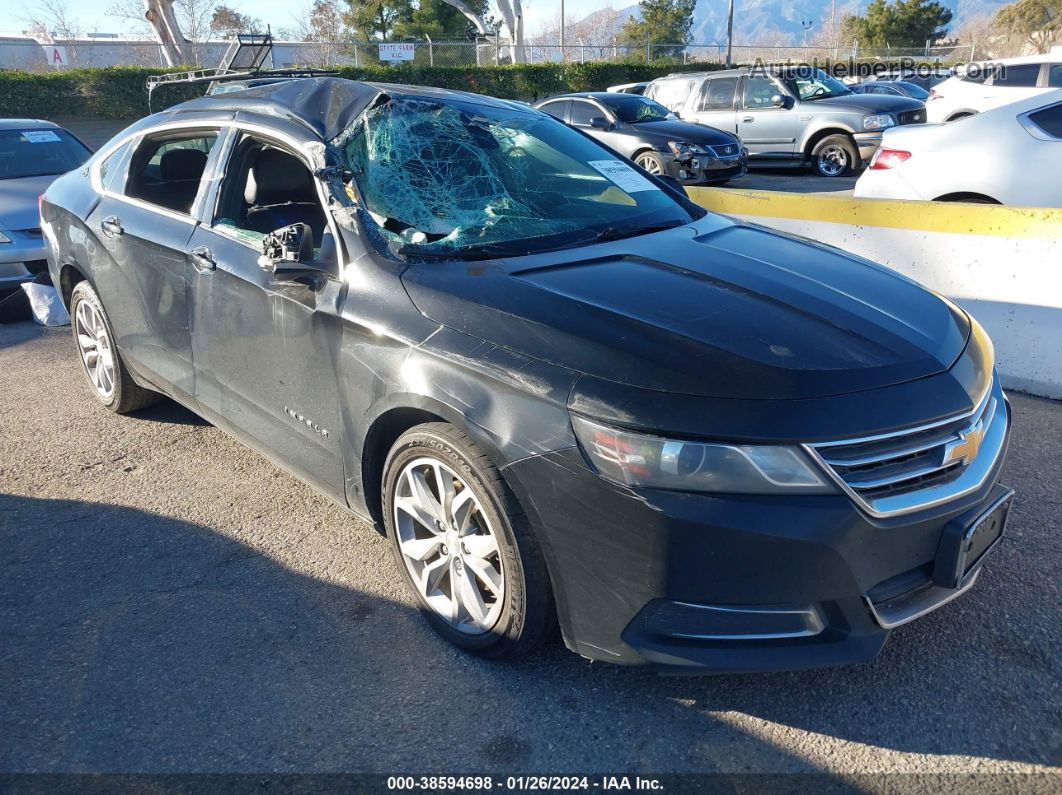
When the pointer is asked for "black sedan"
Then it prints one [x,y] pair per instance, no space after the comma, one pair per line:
[650,135]
[562,390]
[896,88]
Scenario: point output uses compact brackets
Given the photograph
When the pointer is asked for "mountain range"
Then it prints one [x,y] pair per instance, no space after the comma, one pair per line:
[767,22]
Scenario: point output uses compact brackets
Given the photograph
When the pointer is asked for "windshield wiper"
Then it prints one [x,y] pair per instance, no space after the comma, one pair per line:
[521,248]
[473,251]
[616,232]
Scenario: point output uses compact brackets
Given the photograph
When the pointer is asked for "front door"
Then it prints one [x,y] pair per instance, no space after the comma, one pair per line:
[766,130]
[582,114]
[265,351]
[144,225]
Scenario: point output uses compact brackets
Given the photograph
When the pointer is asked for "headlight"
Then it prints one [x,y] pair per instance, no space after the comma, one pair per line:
[878,121]
[680,149]
[4,238]
[639,460]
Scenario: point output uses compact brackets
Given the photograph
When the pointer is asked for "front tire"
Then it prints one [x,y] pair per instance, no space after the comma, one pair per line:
[463,544]
[651,162]
[111,383]
[834,156]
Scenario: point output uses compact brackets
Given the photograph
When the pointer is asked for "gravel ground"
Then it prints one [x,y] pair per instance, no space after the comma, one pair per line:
[170,601]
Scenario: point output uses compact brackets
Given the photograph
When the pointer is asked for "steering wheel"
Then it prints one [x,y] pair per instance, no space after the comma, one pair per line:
[817,92]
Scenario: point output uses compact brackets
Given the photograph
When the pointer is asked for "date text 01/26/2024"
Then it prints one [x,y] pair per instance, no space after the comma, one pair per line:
[524,783]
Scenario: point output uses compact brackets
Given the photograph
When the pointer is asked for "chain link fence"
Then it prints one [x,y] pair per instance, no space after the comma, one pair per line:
[28,55]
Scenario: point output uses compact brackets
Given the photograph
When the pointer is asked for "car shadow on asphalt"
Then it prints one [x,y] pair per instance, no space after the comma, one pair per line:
[136,641]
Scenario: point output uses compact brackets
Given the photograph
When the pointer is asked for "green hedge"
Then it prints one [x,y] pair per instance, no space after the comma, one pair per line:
[120,93]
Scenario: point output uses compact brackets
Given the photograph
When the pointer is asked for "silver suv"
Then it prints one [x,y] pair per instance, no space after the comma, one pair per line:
[789,114]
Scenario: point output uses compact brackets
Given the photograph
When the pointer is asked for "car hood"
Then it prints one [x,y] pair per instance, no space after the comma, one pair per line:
[865,103]
[716,308]
[676,130]
[18,201]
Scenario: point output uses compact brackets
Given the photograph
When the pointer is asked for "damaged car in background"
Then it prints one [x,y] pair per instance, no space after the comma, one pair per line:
[564,392]
[653,137]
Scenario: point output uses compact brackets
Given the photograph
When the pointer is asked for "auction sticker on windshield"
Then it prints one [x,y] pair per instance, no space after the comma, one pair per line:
[40,136]
[625,177]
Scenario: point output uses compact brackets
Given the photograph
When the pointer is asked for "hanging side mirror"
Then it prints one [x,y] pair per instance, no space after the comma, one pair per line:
[287,253]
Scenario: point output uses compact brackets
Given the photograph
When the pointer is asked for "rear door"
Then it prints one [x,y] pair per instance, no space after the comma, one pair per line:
[144,223]
[767,131]
[714,104]
[558,109]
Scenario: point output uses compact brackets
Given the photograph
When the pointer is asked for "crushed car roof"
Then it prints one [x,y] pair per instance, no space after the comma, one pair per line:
[327,105]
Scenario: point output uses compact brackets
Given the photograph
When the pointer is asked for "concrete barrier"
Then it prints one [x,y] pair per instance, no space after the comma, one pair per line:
[1002,264]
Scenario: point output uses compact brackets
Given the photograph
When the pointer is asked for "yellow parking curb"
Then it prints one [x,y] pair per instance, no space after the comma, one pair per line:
[986,220]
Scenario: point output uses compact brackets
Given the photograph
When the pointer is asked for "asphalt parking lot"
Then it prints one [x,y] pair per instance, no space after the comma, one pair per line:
[794,180]
[170,601]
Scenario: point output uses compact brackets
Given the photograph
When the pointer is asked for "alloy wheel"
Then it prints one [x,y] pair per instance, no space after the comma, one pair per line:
[833,161]
[448,546]
[97,354]
[650,164]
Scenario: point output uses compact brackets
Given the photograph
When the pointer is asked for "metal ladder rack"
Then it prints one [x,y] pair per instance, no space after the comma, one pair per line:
[244,58]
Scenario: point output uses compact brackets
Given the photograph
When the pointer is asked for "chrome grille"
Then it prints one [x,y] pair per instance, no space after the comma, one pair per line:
[725,150]
[907,470]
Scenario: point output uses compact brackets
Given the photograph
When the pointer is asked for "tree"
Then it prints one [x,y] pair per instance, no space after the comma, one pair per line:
[437,19]
[904,23]
[376,19]
[179,26]
[176,48]
[54,20]
[1036,23]
[662,22]
[228,22]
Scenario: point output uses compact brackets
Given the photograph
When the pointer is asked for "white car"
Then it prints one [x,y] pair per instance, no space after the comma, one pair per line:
[1010,155]
[983,86]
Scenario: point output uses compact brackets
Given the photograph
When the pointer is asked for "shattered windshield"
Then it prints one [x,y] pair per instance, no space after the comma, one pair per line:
[454,178]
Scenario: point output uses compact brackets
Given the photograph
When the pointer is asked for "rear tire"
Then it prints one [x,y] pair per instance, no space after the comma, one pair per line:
[835,156]
[463,544]
[101,361]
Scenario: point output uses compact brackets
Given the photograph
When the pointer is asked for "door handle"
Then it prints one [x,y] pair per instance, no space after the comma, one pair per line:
[749,119]
[202,259]
[111,226]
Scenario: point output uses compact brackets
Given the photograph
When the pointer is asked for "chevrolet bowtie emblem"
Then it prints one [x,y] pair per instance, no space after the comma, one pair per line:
[965,450]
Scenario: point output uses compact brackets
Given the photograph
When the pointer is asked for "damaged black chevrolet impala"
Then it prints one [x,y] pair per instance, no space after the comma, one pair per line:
[565,393]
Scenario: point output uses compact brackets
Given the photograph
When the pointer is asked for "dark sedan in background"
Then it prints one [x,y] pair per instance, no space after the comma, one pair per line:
[650,135]
[896,88]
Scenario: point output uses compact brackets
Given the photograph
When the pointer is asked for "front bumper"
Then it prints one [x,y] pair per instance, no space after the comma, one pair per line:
[22,259]
[706,168]
[728,583]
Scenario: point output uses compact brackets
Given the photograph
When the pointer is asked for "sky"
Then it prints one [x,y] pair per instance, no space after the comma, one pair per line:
[92,14]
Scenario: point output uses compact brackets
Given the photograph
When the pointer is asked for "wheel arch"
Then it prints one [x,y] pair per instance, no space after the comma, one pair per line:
[812,140]
[967,196]
[403,413]
[69,276]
